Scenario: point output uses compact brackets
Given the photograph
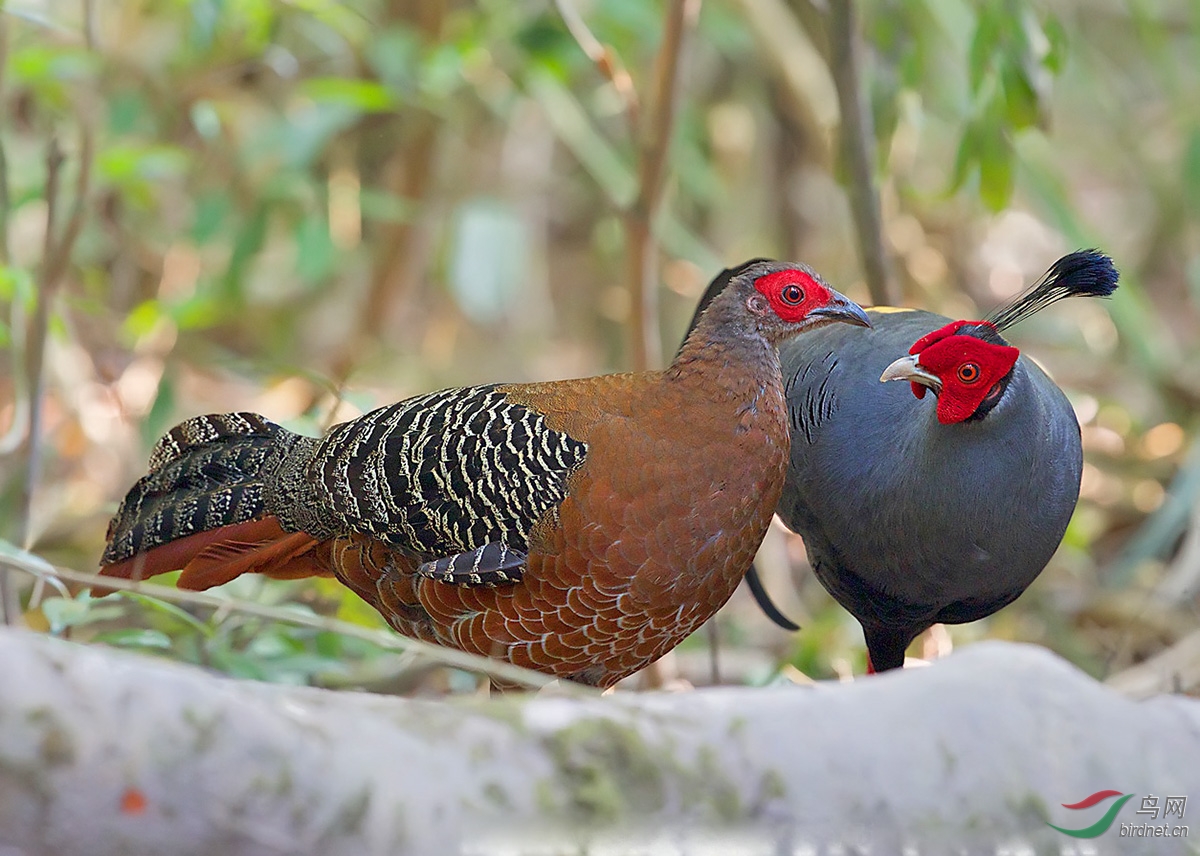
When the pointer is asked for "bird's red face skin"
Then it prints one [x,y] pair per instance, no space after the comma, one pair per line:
[968,367]
[792,294]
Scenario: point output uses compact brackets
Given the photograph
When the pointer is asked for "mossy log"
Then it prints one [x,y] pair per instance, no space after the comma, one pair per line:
[105,753]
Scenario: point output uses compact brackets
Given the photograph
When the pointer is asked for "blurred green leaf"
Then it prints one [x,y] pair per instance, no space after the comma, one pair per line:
[365,96]
[245,247]
[204,309]
[128,112]
[142,319]
[237,664]
[575,129]
[981,58]
[1020,99]
[39,64]
[548,46]
[1058,44]
[395,56]
[133,637]
[381,205]
[441,72]
[328,645]
[315,252]
[996,163]
[300,138]
[1191,171]
[168,611]
[205,119]
[209,213]
[351,607]
[205,16]
[343,18]
[17,284]
[64,612]
[488,259]
[160,418]
[627,24]
[966,156]
[132,165]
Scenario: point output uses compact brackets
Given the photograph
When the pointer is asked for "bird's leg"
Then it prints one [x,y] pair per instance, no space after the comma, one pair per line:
[885,647]
[492,564]
[936,643]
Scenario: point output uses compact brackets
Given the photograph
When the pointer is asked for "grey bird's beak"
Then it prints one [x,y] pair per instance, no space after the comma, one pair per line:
[909,369]
[841,308]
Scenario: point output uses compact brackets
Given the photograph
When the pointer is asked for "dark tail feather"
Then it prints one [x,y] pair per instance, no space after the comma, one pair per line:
[763,599]
[1083,273]
[201,508]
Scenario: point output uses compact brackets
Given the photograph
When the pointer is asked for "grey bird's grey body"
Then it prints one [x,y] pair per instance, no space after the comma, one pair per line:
[920,508]
[907,521]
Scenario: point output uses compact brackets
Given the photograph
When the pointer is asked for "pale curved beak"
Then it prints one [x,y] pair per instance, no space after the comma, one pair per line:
[909,369]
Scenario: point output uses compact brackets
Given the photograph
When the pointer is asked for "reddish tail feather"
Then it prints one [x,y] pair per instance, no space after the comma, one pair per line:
[219,555]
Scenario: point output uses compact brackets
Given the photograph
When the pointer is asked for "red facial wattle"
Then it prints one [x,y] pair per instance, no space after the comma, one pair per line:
[792,293]
[942,332]
[967,366]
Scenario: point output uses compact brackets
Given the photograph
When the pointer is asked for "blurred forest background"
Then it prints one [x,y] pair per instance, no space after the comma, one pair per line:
[311,208]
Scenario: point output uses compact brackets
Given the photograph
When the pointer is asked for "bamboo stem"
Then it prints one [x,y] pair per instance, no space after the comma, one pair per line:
[857,147]
[654,140]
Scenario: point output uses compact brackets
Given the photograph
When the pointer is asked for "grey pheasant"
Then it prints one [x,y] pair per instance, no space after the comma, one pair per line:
[919,508]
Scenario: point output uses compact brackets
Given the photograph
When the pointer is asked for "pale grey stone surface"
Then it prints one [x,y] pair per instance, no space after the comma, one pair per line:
[972,755]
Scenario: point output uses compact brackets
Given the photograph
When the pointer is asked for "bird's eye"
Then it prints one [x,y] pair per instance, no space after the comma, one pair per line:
[792,294]
[968,372]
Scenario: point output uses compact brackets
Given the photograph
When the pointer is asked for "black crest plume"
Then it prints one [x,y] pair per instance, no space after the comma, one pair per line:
[1083,273]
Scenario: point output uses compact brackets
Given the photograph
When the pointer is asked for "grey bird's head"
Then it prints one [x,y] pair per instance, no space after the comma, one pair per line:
[967,364]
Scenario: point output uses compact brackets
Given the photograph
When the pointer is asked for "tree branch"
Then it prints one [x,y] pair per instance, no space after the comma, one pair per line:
[1173,670]
[33,565]
[654,140]
[603,56]
[858,148]
[399,257]
[10,606]
[35,352]
[805,85]
[56,258]
[4,197]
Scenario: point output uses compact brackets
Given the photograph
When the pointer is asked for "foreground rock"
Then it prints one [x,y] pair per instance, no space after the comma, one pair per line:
[105,753]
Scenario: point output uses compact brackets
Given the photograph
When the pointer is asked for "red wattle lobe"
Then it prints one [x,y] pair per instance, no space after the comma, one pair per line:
[918,389]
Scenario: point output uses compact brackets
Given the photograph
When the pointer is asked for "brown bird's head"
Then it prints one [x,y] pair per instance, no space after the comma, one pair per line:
[765,300]
[782,299]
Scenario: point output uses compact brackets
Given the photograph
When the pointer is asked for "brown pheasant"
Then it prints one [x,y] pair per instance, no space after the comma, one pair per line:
[581,527]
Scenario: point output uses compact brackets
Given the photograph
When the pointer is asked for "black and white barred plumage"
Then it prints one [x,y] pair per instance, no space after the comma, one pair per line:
[445,473]
[435,476]
[204,473]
